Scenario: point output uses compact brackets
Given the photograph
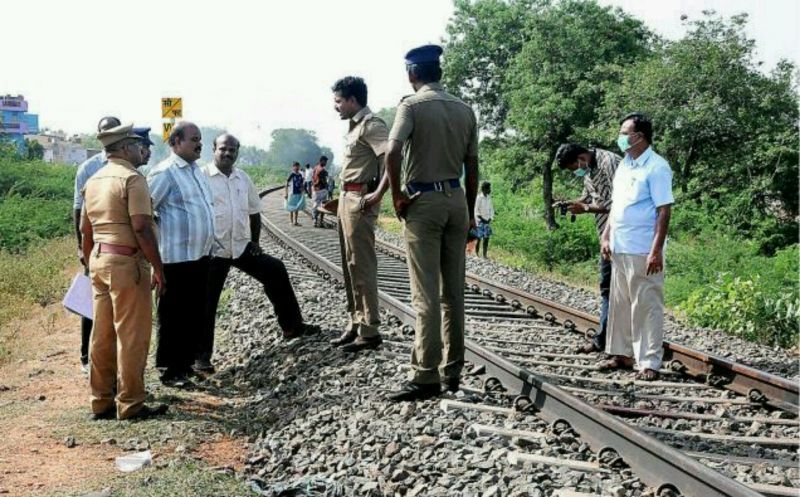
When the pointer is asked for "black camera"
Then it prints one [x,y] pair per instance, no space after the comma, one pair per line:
[563,208]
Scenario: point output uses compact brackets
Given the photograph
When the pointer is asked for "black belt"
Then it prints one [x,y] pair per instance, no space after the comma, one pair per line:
[436,186]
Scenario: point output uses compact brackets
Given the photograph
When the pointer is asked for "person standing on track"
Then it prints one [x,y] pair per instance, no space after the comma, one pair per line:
[436,136]
[634,241]
[182,201]
[295,201]
[309,175]
[363,184]
[597,168]
[319,185]
[85,171]
[118,242]
[237,210]
[484,214]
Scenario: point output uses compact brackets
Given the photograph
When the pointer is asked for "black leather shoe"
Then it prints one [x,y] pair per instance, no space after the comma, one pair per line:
[362,343]
[415,391]
[347,337]
[147,412]
[107,414]
[204,366]
[452,385]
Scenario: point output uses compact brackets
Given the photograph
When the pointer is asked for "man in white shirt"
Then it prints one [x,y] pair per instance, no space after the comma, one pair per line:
[484,214]
[308,177]
[237,227]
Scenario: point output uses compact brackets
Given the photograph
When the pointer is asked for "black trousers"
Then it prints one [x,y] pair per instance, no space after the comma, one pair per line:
[270,272]
[86,332]
[181,314]
[605,289]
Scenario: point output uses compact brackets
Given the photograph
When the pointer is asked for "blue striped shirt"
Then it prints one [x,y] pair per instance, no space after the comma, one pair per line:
[183,204]
[85,171]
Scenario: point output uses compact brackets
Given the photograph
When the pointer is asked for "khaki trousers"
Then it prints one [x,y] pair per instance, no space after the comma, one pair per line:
[121,332]
[436,234]
[636,314]
[359,263]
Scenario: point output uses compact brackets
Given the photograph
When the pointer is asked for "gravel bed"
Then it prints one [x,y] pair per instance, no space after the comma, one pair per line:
[320,424]
[775,360]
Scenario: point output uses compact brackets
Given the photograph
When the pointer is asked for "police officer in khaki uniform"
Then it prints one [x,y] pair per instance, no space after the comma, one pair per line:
[436,134]
[118,242]
[363,185]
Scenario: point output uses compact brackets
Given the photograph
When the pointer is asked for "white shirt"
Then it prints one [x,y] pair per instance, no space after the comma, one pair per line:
[484,207]
[235,200]
[309,174]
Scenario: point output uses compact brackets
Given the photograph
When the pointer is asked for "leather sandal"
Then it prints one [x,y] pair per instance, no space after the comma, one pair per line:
[615,362]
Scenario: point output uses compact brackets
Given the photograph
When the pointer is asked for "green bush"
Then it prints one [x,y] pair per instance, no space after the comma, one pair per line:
[35,202]
[748,308]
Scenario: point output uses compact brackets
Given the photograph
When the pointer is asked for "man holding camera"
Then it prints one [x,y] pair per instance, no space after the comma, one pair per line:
[363,185]
[597,168]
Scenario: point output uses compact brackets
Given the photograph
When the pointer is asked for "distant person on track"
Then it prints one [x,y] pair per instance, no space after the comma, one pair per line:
[597,168]
[484,215]
[183,204]
[309,176]
[436,136]
[296,200]
[86,170]
[120,245]
[319,186]
[363,185]
[634,241]
[237,210]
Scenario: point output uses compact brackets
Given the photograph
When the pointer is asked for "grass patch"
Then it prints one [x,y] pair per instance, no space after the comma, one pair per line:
[182,477]
[34,278]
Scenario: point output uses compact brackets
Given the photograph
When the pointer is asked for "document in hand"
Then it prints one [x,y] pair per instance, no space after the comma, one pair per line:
[79,296]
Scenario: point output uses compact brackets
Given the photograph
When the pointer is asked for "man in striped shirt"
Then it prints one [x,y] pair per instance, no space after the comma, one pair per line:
[183,204]
[597,168]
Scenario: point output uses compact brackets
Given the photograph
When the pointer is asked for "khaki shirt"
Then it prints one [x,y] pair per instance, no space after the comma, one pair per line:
[438,131]
[364,144]
[114,194]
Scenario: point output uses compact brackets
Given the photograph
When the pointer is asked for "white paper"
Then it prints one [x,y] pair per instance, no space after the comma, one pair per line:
[79,296]
[133,462]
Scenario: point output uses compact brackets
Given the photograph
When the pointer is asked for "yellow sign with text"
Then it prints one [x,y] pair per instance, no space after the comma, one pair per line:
[172,108]
[166,131]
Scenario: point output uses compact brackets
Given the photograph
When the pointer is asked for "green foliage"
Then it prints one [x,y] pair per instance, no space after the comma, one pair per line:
[728,130]
[289,145]
[387,114]
[35,277]
[35,202]
[762,306]
[35,150]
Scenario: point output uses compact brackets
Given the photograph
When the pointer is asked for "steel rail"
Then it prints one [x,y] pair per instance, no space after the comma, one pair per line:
[758,386]
[656,463]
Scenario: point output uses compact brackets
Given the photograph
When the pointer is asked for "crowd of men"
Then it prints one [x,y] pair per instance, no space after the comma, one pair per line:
[181,228]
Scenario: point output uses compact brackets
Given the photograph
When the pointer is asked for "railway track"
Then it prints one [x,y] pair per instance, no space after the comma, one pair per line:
[709,427]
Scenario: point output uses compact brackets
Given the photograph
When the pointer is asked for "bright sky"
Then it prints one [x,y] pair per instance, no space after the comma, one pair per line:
[251,66]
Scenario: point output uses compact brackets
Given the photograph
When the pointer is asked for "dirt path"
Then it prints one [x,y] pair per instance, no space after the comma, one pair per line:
[49,447]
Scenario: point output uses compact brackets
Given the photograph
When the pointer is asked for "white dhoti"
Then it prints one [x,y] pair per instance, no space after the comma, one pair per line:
[636,314]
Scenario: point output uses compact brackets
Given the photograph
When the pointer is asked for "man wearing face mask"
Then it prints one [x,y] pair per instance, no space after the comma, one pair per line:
[182,202]
[596,167]
[634,241]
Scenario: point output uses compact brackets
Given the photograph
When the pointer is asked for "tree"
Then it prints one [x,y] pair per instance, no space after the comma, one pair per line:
[728,130]
[35,150]
[535,70]
[290,144]
[483,37]
[387,114]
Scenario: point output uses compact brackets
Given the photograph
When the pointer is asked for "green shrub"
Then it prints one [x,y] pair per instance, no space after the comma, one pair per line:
[745,307]
[35,202]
